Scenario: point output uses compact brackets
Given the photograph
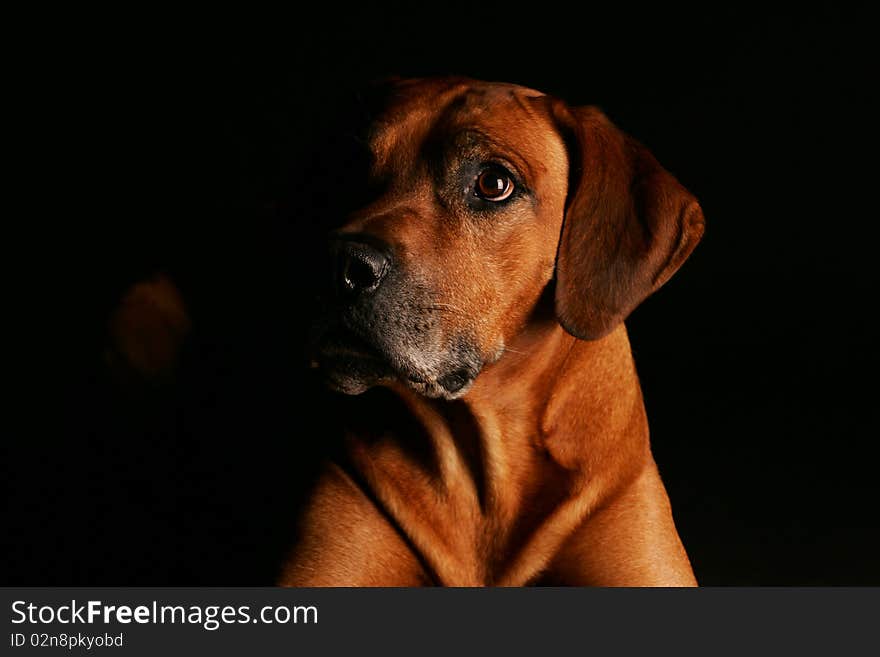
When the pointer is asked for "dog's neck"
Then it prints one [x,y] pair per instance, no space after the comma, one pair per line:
[549,391]
[542,438]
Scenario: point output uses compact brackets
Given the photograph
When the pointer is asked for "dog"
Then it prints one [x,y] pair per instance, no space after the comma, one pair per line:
[475,302]
[493,428]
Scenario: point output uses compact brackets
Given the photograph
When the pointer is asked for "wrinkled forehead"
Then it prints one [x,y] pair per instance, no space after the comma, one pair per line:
[508,116]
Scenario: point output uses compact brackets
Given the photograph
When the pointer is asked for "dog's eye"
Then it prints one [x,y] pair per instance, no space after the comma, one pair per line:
[494,184]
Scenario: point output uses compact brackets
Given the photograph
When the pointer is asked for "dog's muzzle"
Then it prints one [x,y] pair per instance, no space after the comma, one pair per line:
[377,324]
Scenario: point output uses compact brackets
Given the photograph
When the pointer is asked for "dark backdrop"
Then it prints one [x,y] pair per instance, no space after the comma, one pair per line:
[190,150]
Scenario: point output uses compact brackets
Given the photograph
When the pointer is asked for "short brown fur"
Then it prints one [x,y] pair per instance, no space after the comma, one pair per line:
[544,472]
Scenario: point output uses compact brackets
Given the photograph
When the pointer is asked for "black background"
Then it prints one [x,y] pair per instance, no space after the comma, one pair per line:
[187,149]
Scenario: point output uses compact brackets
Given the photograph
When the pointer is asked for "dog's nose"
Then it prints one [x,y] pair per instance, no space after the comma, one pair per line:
[360,267]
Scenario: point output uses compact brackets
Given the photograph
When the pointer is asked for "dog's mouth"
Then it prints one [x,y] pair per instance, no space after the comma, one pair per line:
[347,363]
[350,364]
[343,346]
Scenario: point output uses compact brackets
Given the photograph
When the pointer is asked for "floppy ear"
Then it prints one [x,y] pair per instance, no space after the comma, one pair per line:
[628,226]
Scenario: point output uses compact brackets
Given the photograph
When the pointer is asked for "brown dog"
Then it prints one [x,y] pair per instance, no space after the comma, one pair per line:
[484,290]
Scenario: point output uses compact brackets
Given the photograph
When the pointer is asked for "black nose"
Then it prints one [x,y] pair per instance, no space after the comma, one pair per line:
[360,267]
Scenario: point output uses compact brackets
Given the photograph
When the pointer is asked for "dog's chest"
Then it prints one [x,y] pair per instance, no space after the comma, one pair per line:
[470,512]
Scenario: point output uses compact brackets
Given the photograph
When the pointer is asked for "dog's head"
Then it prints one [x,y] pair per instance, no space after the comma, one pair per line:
[478,197]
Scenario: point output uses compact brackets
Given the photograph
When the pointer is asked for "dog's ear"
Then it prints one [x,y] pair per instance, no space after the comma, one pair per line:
[628,226]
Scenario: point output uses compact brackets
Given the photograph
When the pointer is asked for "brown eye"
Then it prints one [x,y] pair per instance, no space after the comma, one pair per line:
[494,184]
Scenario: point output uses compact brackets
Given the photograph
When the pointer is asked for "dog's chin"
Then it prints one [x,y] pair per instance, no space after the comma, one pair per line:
[353,378]
[450,386]
[354,370]
[350,372]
